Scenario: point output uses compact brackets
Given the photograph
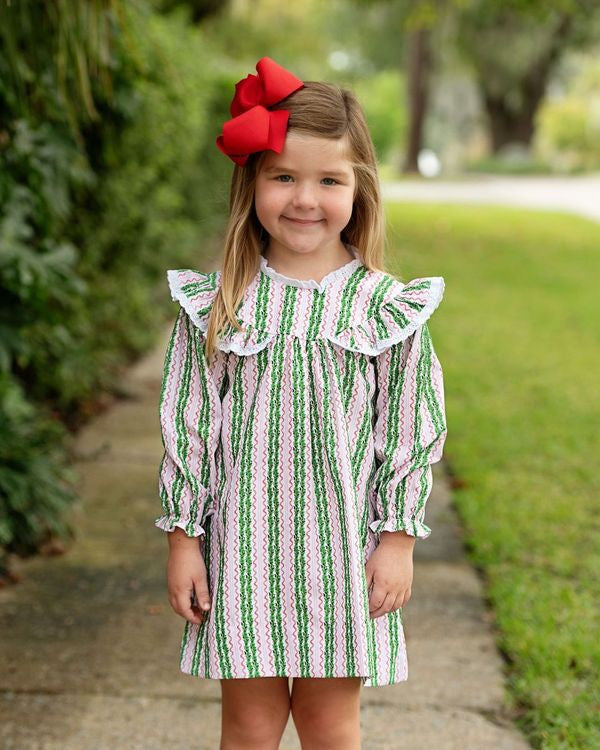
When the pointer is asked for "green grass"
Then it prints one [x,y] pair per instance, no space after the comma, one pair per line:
[518,335]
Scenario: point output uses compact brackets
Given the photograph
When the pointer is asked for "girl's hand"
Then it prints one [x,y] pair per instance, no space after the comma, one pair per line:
[389,572]
[186,575]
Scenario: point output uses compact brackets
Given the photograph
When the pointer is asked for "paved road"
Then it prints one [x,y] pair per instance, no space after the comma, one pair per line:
[580,195]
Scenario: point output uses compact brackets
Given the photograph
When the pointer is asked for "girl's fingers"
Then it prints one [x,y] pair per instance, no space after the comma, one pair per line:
[379,606]
[201,595]
[185,605]
[198,616]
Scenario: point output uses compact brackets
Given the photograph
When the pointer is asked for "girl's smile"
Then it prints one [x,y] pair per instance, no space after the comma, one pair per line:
[303,222]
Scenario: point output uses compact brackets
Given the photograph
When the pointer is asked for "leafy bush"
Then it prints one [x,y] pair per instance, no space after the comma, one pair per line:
[568,127]
[381,97]
[96,201]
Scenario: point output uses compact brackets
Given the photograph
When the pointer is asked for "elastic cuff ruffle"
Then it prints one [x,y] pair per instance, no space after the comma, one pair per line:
[411,527]
[168,523]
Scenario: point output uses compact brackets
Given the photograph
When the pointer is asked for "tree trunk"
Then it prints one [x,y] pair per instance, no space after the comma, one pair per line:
[419,63]
[509,125]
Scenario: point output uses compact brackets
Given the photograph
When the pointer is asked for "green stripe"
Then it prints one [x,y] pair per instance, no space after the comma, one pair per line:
[169,357]
[202,628]
[421,454]
[317,308]
[204,426]
[393,636]
[332,451]
[348,296]
[435,407]
[223,642]
[396,376]
[208,562]
[366,425]
[244,532]
[273,508]
[300,495]
[223,646]
[323,523]
[181,449]
[263,293]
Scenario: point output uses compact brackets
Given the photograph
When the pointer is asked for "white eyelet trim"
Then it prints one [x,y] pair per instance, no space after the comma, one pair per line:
[364,335]
[311,283]
[188,304]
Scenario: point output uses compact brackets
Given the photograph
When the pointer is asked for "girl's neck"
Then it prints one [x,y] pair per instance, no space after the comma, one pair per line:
[307,266]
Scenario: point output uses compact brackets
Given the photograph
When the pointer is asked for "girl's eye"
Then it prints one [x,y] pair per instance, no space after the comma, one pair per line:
[287,175]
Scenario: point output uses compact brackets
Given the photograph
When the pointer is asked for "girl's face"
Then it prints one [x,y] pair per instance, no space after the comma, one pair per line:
[310,180]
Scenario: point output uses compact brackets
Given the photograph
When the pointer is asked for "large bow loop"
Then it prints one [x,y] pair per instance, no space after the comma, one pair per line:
[272,84]
[253,127]
[254,130]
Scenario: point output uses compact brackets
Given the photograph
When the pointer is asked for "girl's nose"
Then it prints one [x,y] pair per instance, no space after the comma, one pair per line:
[304,197]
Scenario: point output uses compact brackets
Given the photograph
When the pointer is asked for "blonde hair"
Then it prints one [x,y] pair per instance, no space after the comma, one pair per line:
[323,110]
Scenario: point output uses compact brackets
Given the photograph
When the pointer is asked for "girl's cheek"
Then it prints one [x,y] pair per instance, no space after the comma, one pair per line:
[269,192]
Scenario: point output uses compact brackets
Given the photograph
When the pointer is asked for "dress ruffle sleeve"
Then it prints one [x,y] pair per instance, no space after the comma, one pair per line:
[404,309]
[196,291]
[410,427]
[190,410]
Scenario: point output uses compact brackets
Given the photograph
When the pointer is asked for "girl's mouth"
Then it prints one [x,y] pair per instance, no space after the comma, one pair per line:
[303,221]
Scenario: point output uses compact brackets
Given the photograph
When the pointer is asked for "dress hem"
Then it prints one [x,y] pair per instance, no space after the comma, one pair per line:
[365,679]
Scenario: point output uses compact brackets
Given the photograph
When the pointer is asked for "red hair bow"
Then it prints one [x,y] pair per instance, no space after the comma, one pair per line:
[253,127]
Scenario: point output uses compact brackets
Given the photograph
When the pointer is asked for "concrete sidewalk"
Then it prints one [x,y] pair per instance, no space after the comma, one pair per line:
[91,646]
[578,194]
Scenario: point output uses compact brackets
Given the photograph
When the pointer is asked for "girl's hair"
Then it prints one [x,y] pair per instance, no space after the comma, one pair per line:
[323,110]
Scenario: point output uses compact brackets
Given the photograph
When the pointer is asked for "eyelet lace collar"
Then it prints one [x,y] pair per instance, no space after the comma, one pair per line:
[329,278]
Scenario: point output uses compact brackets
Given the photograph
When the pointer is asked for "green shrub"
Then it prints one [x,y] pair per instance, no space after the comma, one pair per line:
[568,128]
[381,97]
[96,201]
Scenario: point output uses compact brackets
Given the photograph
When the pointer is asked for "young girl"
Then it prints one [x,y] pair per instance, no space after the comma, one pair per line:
[301,409]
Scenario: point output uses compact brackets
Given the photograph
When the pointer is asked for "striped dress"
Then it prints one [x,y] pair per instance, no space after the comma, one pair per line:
[312,430]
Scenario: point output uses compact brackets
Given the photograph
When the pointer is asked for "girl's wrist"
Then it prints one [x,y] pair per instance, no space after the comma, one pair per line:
[178,539]
[400,538]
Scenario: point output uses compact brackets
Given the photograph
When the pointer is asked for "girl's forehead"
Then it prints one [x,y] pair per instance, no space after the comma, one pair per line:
[300,149]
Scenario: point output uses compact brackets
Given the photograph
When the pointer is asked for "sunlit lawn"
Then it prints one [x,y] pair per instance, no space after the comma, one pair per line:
[518,334]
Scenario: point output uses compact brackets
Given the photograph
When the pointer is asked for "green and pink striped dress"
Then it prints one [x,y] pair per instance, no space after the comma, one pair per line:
[310,432]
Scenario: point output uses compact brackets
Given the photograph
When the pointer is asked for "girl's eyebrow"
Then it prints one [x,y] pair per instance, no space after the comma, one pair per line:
[338,172]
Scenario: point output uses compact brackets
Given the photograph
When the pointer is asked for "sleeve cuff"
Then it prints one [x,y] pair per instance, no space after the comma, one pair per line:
[413,528]
[168,523]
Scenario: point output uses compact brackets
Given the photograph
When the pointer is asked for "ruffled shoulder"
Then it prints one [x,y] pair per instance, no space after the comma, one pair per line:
[196,291]
[248,340]
[406,306]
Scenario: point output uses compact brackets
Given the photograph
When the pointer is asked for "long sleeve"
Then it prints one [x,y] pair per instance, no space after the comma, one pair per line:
[409,432]
[190,418]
